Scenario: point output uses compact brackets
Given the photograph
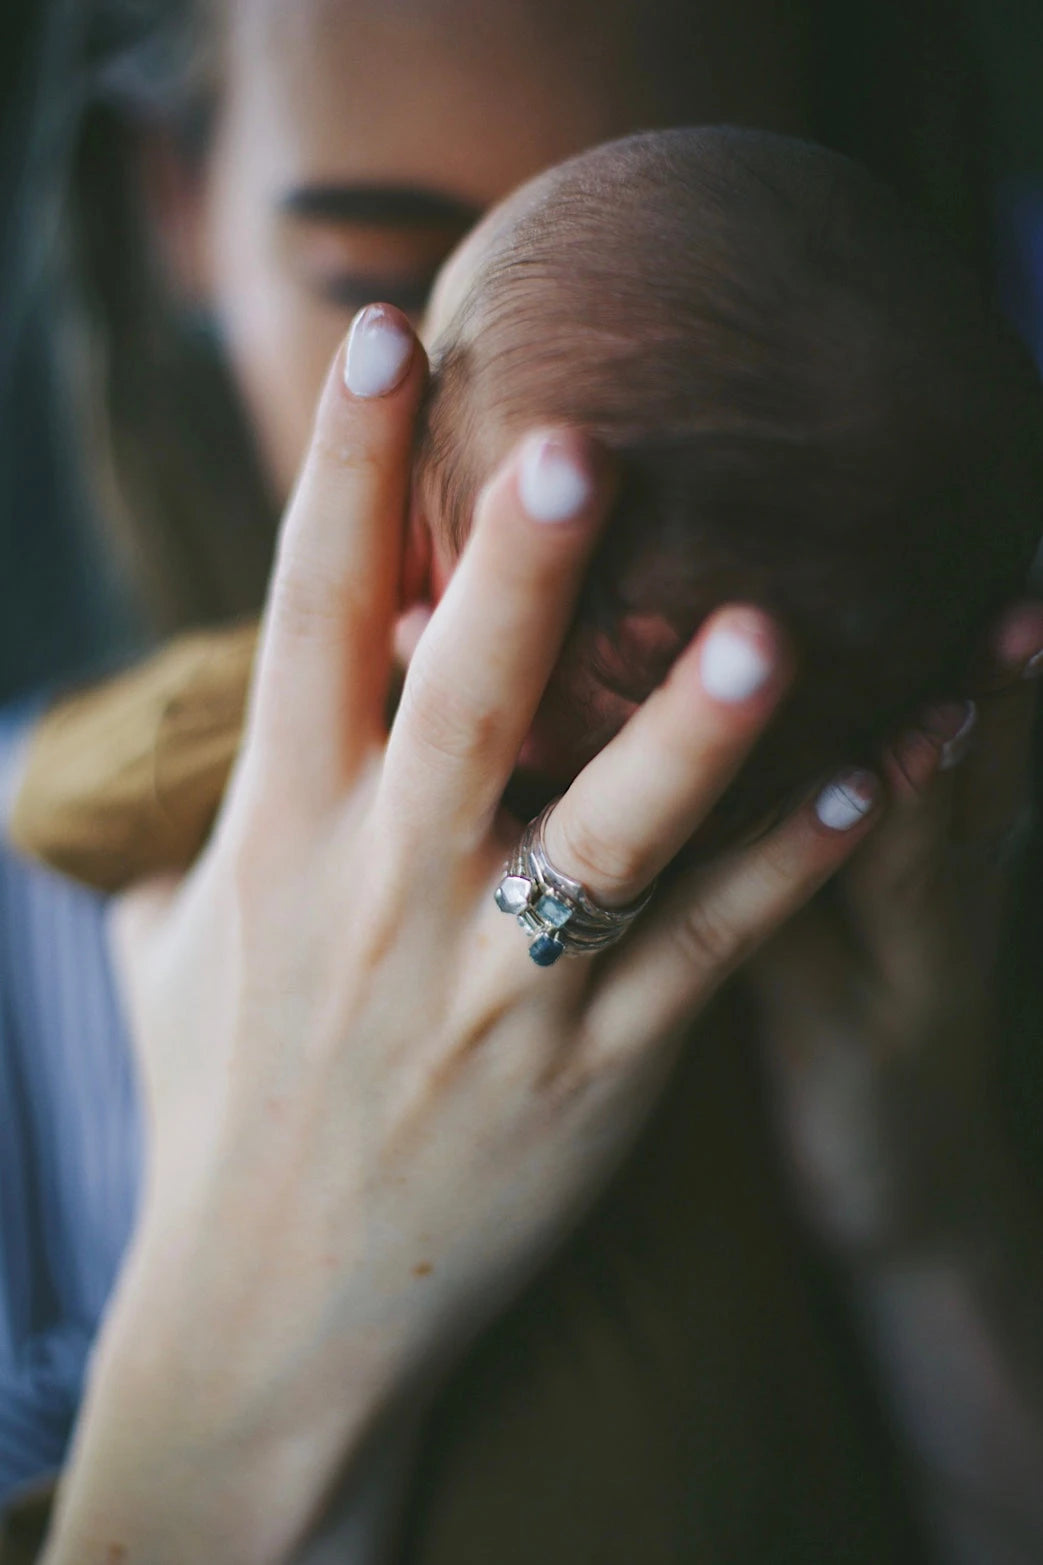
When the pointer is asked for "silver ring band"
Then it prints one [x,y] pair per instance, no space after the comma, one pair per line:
[558,914]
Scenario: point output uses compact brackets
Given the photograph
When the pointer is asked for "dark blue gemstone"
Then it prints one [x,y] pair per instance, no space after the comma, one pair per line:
[545,950]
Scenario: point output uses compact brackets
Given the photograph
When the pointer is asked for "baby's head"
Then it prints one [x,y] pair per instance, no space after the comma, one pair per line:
[812,409]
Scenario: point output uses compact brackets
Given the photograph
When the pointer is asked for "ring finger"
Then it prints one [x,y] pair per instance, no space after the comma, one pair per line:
[637,802]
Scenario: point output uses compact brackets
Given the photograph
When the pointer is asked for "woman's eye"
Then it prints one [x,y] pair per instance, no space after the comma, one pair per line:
[352,290]
[351,264]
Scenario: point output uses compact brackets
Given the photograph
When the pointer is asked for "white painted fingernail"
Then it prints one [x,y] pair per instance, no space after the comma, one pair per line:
[846,800]
[380,348]
[954,749]
[732,666]
[1034,667]
[552,485]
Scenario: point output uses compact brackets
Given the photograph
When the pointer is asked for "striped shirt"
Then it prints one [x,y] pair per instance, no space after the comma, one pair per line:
[70,1151]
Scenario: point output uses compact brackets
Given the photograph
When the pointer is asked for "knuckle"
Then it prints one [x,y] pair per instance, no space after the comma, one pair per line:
[333,447]
[707,939]
[450,719]
[781,872]
[607,864]
[305,598]
[246,844]
[574,1081]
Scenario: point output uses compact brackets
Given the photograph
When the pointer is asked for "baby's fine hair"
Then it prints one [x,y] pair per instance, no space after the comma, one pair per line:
[813,406]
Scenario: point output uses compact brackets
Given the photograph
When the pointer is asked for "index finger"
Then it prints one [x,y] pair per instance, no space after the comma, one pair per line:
[993,786]
[317,706]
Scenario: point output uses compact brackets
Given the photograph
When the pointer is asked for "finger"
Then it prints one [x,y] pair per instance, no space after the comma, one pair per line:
[896,894]
[993,785]
[323,668]
[479,669]
[891,877]
[633,806]
[907,895]
[712,919]
[1014,648]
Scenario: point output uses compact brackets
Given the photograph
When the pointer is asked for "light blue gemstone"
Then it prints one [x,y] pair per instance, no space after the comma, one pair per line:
[553,912]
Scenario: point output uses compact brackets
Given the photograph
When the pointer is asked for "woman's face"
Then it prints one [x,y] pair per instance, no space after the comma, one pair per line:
[358,140]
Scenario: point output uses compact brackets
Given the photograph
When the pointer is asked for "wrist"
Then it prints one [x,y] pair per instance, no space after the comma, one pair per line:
[171,1461]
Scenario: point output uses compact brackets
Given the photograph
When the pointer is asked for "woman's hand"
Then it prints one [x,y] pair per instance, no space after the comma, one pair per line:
[372,1117]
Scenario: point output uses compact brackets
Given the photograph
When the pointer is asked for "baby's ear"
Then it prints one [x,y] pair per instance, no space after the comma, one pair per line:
[429,558]
[416,586]
[421,586]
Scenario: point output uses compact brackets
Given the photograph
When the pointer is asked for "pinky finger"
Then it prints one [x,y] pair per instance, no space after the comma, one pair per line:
[713,918]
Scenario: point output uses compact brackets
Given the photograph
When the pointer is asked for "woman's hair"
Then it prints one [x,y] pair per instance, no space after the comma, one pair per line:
[181,492]
[166,448]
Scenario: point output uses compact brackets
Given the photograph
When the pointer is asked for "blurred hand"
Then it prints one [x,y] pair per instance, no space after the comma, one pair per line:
[877,1000]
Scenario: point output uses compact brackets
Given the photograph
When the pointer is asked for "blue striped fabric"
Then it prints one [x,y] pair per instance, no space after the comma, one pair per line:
[70,1156]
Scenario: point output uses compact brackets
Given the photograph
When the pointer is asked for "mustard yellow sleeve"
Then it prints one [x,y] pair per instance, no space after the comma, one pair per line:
[123,779]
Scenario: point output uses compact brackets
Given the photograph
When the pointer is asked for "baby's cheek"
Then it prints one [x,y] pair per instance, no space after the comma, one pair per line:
[576,718]
[581,710]
[443,562]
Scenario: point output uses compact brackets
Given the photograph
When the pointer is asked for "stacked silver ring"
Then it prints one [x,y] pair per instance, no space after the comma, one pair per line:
[557,913]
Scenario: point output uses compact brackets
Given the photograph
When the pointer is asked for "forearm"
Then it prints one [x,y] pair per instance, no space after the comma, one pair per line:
[954,1325]
[161,1474]
[361,1524]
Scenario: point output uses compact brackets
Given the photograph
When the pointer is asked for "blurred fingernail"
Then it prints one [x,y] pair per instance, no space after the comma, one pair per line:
[380,349]
[847,800]
[733,664]
[952,725]
[1034,667]
[553,482]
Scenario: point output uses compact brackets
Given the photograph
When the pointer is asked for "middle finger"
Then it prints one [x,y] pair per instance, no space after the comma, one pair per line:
[479,670]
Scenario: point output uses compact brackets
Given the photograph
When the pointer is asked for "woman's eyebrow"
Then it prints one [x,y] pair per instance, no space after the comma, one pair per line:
[399,206]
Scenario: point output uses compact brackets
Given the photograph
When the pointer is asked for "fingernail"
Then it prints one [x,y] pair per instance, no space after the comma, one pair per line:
[380,348]
[952,725]
[1034,667]
[846,800]
[553,483]
[733,665]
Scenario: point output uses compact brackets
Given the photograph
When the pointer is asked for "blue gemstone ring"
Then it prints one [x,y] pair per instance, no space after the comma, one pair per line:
[558,914]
